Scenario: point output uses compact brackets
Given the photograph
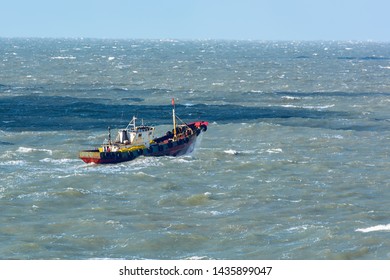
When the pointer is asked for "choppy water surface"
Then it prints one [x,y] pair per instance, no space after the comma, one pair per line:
[294,165]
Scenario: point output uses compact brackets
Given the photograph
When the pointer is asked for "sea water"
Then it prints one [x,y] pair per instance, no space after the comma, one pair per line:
[294,165]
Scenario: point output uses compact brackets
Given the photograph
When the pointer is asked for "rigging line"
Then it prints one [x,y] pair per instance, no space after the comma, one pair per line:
[181,120]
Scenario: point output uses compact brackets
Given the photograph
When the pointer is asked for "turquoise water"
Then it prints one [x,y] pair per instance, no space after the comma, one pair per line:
[294,164]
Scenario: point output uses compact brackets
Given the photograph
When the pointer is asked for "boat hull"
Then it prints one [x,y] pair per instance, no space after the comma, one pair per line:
[170,148]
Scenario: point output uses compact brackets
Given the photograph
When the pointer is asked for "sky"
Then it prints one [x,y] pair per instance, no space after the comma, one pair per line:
[360,20]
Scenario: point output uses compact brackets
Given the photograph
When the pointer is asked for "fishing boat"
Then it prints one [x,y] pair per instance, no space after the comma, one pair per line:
[135,141]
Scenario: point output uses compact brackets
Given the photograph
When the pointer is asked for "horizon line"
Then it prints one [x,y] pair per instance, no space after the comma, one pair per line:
[162,39]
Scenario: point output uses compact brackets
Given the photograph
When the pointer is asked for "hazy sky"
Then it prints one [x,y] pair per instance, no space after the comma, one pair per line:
[198,19]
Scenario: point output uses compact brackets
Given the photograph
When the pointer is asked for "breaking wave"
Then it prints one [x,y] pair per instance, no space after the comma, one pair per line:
[375,228]
[30,150]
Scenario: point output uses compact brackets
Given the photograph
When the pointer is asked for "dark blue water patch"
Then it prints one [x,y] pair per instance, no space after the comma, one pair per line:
[347,58]
[70,89]
[329,93]
[24,113]
[363,58]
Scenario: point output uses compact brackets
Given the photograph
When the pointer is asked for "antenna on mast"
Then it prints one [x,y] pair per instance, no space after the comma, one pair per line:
[174,118]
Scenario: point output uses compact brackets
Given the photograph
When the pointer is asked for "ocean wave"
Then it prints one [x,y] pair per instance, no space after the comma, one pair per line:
[198,199]
[183,159]
[218,213]
[374,228]
[143,176]
[275,151]
[197,258]
[58,161]
[62,57]
[287,97]
[231,152]
[13,162]
[310,107]
[300,228]
[30,150]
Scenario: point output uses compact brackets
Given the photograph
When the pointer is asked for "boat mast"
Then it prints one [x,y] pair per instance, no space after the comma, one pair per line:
[132,123]
[174,118]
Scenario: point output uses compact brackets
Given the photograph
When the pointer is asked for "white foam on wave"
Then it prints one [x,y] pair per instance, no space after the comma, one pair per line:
[144,175]
[375,228]
[30,150]
[13,162]
[62,57]
[58,161]
[336,136]
[275,151]
[231,152]
[183,159]
[287,97]
[300,228]
[197,258]
[309,106]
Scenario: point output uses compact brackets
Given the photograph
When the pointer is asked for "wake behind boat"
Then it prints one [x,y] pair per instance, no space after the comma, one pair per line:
[134,141]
